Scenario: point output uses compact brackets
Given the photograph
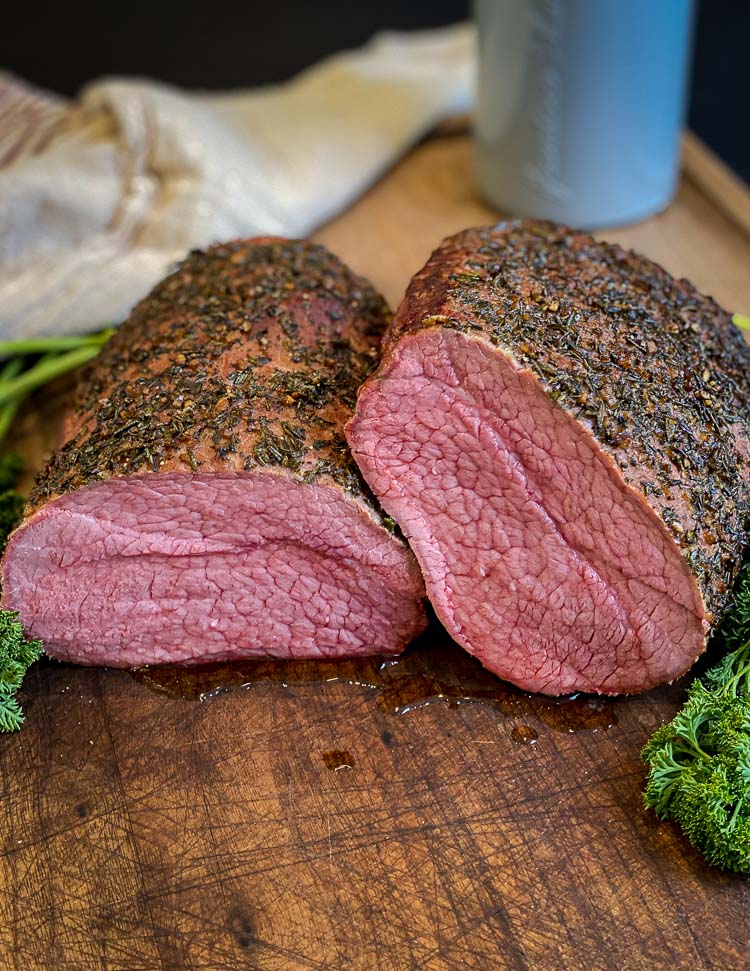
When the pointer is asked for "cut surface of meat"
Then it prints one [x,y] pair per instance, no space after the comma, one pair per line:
[204,506]
[536,428]
[182,568]
[522,525]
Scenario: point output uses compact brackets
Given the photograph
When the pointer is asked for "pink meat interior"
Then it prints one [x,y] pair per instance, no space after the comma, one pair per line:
[536,555]
[206,567]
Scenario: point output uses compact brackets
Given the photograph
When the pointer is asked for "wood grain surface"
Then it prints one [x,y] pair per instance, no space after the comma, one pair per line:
[311,825]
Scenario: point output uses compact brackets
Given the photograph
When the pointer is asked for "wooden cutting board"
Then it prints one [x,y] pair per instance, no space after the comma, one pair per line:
[348,816]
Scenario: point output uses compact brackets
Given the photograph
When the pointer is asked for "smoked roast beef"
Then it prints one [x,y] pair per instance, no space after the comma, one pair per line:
[561,430]
[204,505]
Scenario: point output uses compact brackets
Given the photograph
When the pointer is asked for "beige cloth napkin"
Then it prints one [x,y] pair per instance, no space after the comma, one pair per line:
[99,197]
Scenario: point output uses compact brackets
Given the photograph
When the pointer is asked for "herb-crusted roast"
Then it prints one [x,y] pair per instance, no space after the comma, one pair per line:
[561,430]
[204,505]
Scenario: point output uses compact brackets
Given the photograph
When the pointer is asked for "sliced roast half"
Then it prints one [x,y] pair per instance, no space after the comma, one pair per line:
[561,430]
[205,505]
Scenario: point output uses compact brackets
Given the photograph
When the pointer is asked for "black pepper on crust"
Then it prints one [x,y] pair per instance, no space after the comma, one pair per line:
[655,370]
[248,355]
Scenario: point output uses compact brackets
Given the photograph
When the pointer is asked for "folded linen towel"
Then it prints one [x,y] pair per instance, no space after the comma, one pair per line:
[99,197]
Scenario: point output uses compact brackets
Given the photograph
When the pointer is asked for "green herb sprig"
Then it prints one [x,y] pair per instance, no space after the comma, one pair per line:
[699,763]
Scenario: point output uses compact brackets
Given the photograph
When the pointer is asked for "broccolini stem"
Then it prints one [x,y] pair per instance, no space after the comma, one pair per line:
[8,410]
[11,369]
[735,813]
[45,370]
[743,672]
[691,748]
[41,345]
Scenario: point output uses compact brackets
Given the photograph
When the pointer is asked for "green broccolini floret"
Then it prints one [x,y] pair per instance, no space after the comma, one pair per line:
[16,655]
[699,763]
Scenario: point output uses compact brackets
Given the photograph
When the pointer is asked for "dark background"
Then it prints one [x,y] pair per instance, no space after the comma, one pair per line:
[229,44]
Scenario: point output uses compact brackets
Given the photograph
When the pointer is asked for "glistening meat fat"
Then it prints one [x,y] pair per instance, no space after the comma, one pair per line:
[204,505]
[561,430]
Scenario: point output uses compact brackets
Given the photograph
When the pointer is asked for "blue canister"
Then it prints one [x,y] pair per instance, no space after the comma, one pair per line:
[581,104]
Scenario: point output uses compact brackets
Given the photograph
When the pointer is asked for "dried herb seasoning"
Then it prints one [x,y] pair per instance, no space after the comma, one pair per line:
[249,355]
